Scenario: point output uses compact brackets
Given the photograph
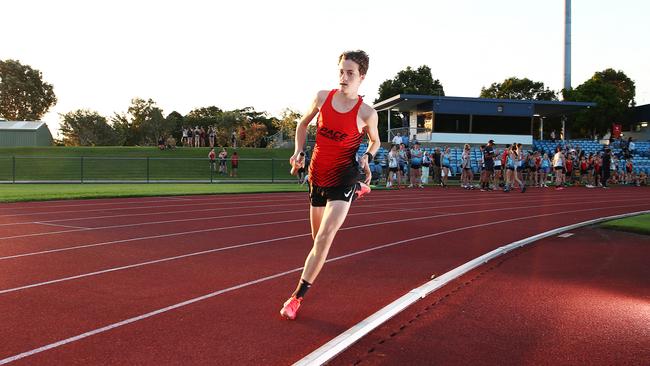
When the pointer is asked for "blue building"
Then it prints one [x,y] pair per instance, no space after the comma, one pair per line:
[458,120]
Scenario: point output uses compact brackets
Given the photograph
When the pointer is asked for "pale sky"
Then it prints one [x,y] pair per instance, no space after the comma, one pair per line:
[276,54]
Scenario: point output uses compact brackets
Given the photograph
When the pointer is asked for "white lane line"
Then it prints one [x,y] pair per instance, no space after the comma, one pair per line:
[150,262]
[64,279]
[143,207]
[337,345]
[210,217]
[175,199]
[391,198]
[79,228]
[267,278]
[427,207]
[288,198]
[214,198]
[141,317]
[565,235]
[59,225]
[193,219]
[149,214]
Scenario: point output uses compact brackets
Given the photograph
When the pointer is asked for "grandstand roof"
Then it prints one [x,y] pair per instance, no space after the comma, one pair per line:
[21,125]
[641,113]
[479,106]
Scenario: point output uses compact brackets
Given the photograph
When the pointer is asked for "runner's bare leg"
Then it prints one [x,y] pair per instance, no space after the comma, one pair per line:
[325,222]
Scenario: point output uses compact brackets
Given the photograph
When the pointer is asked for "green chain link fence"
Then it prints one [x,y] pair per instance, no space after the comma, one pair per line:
[45,169]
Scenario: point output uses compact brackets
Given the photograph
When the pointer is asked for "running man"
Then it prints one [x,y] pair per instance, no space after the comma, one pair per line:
[343,121]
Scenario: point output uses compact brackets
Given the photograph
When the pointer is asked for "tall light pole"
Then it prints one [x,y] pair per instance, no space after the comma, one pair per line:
[567,44]
[567,55]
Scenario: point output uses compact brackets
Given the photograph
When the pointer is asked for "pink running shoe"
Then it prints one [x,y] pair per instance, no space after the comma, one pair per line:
[290,308]
[362,190]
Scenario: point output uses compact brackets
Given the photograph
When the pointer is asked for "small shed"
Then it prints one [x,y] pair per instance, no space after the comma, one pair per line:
[24,133]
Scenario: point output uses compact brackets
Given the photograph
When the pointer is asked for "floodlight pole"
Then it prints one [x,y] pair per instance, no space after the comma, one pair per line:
[567,44]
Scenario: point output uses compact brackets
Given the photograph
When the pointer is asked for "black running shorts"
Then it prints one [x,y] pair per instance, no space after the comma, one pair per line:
[318,196]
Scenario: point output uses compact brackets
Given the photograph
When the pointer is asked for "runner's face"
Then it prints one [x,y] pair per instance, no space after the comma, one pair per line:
[349,77]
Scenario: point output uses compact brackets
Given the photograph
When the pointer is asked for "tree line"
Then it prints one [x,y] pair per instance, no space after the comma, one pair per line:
[25,96]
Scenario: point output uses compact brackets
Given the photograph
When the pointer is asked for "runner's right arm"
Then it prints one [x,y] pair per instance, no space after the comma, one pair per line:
[301,128]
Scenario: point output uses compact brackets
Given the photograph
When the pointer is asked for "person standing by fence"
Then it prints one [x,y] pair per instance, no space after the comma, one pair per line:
[606,167]
[234,164]
[223,156]
[426,164]
[213,157]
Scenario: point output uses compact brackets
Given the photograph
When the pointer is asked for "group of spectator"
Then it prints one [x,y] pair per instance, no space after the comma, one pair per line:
[511,167]
[166,143]
[223,158]
[565,167]
[413,165]
[573,166]
[201,137]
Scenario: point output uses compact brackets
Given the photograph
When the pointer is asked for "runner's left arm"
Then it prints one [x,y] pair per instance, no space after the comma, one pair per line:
[373,143]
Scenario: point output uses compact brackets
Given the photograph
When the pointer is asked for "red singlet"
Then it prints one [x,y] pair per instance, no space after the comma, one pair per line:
[333,162]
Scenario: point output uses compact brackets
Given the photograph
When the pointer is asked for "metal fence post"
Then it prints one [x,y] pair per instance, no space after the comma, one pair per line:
[13,169]
[272,170]
[82,169]
[147,169]
[211,172]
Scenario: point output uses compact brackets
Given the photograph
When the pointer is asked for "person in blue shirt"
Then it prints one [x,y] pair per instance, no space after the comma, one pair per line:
[545,169]
[445,160]
[403,158]
[416,166]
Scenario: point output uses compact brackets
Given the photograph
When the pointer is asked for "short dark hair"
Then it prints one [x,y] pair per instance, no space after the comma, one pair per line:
[358,56]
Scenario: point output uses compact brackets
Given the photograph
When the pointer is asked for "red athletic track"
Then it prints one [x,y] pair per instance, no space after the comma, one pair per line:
[58,282]
[584,300]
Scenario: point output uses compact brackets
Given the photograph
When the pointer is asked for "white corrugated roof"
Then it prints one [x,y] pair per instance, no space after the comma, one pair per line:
[20,125]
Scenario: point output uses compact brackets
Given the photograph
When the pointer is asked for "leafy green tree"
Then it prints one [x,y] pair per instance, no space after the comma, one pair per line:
[253,135]
[147,122]
[408,81]
[515,88]
[24,96]
[154,127]
[253,116]
[176,122]
[287,123]
[229,122]
[143,124]
[224,122]
[122,127]
[87,128]
[612,91]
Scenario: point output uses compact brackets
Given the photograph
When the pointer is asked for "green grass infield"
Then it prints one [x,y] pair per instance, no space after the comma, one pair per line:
[636,224]
[42,192]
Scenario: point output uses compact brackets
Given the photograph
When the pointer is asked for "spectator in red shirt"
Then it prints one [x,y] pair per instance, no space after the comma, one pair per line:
[212,156]
[234,164]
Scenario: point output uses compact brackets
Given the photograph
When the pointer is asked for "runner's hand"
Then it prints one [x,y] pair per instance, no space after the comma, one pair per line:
[295,161]
[366,169]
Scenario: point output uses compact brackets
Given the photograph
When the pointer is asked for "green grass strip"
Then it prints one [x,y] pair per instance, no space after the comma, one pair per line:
[635,224]
[42,192]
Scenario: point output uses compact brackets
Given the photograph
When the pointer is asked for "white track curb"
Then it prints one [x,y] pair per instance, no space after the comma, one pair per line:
[337,345]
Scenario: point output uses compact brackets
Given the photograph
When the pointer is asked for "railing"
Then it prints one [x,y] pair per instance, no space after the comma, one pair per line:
[84,169]
[423,134]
